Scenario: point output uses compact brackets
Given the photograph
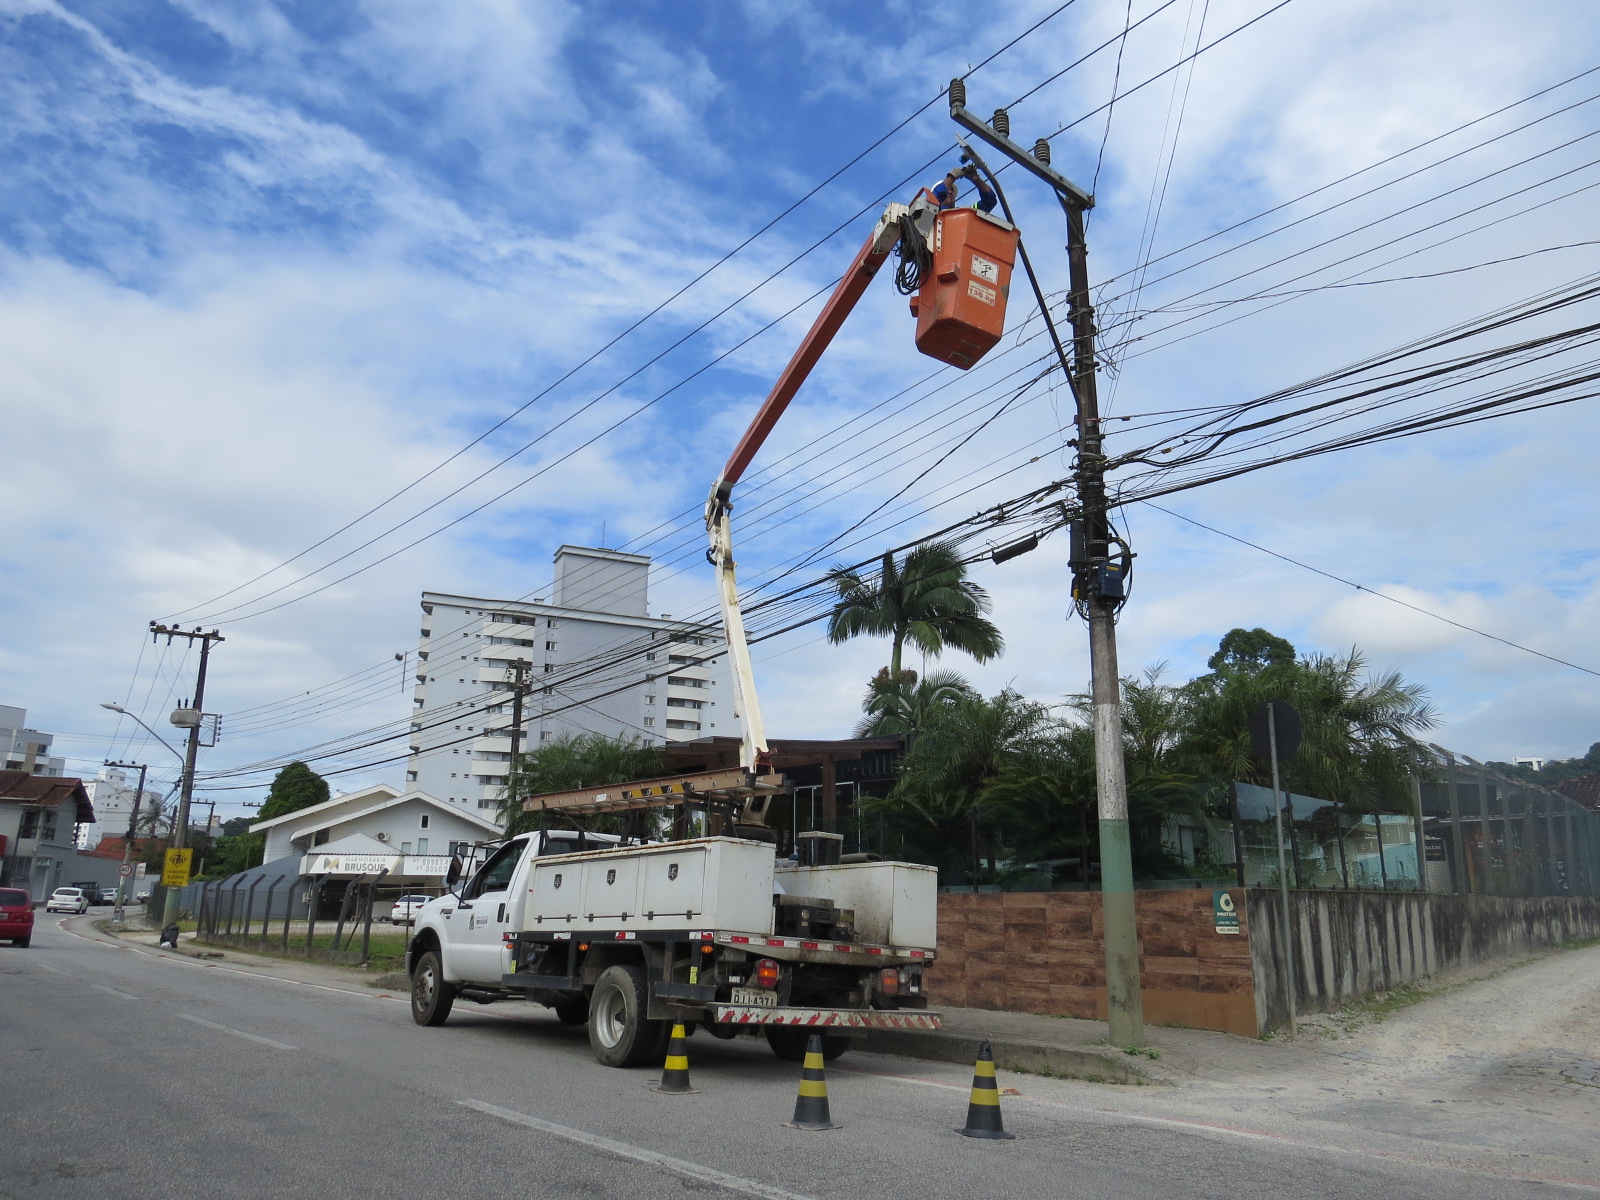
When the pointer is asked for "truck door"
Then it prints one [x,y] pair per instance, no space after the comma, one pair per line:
[477,948]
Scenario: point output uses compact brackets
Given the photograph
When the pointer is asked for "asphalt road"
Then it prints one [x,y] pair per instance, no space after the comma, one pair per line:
[127,1073]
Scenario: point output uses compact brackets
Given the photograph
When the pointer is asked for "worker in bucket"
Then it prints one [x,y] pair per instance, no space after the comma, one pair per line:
[945,193]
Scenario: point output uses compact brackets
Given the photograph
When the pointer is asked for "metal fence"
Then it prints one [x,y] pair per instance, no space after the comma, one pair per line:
[288,916]
[1467,829]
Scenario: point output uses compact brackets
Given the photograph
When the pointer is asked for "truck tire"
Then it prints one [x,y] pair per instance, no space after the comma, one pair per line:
[619,1032]
[789,1043]
[572,1012]
[431,996]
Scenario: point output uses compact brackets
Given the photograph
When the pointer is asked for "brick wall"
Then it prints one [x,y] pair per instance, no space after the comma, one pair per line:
[1041,952]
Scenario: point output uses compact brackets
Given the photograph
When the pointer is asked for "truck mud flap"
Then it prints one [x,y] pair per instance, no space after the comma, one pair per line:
[843,1019]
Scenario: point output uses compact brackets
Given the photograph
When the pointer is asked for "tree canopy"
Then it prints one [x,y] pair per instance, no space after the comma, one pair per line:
[1011,782]
[296,787]
[573,761]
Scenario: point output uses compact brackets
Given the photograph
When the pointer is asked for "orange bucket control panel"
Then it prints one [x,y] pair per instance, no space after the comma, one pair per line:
[961,309]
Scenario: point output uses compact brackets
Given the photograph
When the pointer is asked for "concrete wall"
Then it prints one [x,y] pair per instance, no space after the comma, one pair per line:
[1349,944]
[1042,952]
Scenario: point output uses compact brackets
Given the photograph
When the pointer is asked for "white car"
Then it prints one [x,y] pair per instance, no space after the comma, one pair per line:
[406,909]
[67,899]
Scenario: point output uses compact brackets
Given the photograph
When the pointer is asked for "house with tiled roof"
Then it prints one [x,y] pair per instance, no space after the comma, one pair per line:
[1585,789]
[39,818]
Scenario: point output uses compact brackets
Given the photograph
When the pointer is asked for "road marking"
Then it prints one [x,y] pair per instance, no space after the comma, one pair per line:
[53,970]
[251,1037]
[666,1162]
[113,991]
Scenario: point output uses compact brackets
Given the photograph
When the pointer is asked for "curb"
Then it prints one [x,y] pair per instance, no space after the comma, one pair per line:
[1091,1063]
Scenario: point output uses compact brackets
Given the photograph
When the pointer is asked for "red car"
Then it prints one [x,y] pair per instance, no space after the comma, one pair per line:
[16,916]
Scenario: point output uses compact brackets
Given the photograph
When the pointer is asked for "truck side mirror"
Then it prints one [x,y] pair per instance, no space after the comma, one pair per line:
[452,875]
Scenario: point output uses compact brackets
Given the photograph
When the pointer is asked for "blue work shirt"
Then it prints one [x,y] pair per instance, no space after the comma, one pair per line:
[986,197]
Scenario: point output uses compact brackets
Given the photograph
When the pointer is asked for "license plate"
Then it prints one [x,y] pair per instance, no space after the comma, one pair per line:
[755,997]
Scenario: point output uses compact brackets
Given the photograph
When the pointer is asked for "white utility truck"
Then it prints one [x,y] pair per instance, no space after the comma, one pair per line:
[715,932]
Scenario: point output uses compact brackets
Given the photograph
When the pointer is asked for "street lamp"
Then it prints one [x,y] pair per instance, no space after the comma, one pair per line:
[117,708]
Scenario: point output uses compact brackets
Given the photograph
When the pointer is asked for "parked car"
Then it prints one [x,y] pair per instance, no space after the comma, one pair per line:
[406,908]
[16,915]
[67,899]
[108,895]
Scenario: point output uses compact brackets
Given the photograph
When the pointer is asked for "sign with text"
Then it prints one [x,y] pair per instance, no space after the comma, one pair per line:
[1223,913]
[175,868]
[349,864]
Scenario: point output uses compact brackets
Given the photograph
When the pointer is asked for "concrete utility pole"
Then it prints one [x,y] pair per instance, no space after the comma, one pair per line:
[519,690]
[124,876]
[189,718]
[1098,585]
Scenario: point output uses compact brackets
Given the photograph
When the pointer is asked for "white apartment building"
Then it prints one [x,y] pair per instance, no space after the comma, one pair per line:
[24,749]
[111,793]
[597,661]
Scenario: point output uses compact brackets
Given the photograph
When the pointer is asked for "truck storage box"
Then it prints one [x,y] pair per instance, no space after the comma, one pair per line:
[707,883]
[896,903]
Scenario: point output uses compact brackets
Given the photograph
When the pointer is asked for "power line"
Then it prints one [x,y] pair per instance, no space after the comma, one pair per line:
[1372,591]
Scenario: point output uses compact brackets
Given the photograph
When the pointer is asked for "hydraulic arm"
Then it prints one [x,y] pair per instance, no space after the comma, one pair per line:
[960,312]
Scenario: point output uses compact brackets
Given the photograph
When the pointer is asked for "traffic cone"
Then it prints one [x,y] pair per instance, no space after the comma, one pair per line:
[675,1078]
[811,1106]
[983,1110]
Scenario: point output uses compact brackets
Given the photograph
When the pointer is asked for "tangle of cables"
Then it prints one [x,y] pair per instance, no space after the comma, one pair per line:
[916,260]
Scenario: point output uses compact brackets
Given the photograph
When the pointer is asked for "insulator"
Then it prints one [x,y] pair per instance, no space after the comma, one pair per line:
[1041,151]
[1001,122]
[958,93]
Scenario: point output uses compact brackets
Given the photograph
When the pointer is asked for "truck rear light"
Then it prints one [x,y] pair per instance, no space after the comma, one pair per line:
[889,981]
[766,973]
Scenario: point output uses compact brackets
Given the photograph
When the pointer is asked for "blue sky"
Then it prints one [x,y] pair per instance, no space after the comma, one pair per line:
[264,265]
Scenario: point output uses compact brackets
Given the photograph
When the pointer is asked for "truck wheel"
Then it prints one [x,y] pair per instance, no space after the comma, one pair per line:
[572,1012]
[431,996]
[789,1043]
[619,1032]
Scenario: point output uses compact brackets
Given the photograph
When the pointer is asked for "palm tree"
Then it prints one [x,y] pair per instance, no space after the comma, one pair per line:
[926,600]
[1360,731]
[901,704]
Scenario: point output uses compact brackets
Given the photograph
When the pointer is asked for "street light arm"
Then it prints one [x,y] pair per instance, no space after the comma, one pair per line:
[117,708]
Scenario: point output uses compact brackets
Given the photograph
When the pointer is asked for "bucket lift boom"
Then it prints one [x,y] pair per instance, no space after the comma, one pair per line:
[960,312]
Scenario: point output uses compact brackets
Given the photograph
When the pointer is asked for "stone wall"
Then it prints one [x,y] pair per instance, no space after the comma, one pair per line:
[1041,952]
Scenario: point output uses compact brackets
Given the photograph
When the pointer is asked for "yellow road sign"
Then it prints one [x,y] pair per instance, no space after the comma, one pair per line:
[175,870]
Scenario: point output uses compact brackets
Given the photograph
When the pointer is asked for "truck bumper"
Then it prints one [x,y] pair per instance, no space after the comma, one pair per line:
[823,1018]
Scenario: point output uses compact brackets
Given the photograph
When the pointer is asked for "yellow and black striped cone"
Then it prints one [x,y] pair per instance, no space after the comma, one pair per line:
[983,1110]
[675,1078]
[811,1106]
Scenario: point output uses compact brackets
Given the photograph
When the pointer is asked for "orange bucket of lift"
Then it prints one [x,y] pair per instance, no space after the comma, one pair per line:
[961,309]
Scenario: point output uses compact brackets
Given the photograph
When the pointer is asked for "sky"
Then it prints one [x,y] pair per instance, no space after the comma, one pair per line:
[306,308]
